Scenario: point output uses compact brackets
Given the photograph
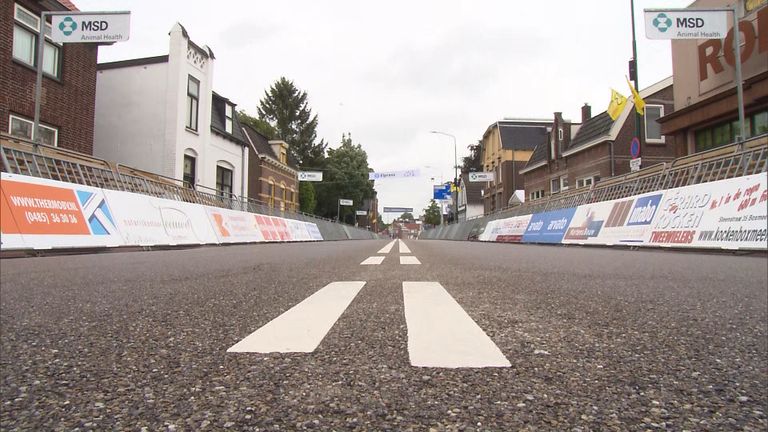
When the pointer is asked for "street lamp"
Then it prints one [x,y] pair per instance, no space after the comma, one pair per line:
[455,176]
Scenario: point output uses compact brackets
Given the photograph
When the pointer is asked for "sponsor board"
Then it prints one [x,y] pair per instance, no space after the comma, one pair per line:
[48,213]
[622,221]
[509,230]
[730,214]
[298,230]
[548,227]
[314,231]
[232,226]
[147,221]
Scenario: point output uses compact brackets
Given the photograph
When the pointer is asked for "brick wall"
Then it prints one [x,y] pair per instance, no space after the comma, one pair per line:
[67,104]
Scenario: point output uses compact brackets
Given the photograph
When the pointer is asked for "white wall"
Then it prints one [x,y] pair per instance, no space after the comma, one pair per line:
[130,120]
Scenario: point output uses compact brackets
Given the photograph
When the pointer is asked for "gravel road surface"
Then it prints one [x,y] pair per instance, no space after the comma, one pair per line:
[597,339]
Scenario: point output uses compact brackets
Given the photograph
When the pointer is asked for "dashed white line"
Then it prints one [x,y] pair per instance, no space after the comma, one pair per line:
[441,334]
[387,248]
[409,260]
[374,260]
[403,248]
[303,327]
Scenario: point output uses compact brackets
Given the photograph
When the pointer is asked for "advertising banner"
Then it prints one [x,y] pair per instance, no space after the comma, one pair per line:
[269,230]
[729,214]
[232,226]
[10,237]
[482,176]
[509,230]
[393,174]
[298,230]
[622,221]
[50,214]
[82,27]
[548,227]
[314,231]
[146,221]
[686,24]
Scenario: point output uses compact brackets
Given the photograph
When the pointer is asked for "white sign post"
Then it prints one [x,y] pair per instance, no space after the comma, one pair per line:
[77,27]
[342,202]
[312,176]
[481,177]
[700,24]
[634,164]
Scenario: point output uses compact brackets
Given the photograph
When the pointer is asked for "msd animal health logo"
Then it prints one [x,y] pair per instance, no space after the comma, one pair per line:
[68,26]
[662,22]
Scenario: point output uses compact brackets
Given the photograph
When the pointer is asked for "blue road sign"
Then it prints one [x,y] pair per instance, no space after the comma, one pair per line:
[441,192]
[634,148]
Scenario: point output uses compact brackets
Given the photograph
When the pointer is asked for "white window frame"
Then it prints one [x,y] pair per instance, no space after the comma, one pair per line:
[563,183]
[188,121]
[661,140]
[582,182]
[225,166]
[229,110]
[55,131]
[537,194]
[48,47]
[555,182]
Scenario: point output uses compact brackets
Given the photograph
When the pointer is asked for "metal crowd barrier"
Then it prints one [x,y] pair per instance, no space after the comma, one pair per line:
[751,157]
[72,167]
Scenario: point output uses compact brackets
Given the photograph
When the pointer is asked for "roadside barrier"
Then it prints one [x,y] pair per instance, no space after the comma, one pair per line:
[37,213]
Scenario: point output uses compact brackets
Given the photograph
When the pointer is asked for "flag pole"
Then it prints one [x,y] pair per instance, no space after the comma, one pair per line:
[638,119]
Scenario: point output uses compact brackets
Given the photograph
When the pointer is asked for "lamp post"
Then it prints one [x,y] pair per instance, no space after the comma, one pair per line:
[455,176]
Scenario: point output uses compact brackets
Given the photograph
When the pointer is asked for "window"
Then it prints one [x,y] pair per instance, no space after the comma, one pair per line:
[228,114]
[538,194]
[26,30]
[559,184]
[283,156]
[284,195]
[271,193]
[22,128]
[223,181]
[652,127]
[193,100]
[189,171]
[725,133]
[585,182]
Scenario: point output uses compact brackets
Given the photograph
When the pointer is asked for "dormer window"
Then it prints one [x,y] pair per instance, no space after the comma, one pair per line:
[283,156]
[228,113]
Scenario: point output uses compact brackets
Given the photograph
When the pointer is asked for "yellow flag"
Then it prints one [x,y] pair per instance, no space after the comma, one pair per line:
[617,104]
[639,102]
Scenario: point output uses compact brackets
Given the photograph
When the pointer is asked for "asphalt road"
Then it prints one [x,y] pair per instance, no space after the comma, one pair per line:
[597,339]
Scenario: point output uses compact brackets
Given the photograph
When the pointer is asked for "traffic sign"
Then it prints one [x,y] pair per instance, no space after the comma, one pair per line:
[634,164]
[361,212]
[345,202]
[634,148]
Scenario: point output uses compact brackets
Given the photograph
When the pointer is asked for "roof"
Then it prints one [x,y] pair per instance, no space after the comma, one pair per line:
[539,155]
[596,127]
[69,5]
[133,62]
[260,142]
[522,137]
[218,111]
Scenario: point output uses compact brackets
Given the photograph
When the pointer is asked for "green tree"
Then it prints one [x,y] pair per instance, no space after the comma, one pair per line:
[407,217]
[432,214]
[307,198]
[262,126]
[473,162]
[346,176]
[286,109]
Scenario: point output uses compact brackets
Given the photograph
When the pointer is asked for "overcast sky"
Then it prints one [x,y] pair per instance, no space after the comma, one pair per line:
[390,72]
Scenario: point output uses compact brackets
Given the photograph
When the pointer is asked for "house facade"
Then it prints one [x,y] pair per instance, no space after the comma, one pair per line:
[470,198]
[578,156]
[160,114]
[705,99]
[272,175]
[69,79]
[504,150]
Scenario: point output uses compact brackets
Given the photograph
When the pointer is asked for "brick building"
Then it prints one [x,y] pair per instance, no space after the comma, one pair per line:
[272,174]
[504,150]
[706,115]
[69,79]
[577,156]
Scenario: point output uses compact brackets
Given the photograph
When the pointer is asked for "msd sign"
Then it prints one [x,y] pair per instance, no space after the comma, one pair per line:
[685,24]
[91,27]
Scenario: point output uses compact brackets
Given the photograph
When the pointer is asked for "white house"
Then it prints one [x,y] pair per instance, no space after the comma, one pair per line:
[160,114]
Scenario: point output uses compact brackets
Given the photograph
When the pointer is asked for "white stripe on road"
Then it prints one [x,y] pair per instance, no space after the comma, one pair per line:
[409,260]
[303,327]
[387,248]
[441,334]
[403,248]
[374,260]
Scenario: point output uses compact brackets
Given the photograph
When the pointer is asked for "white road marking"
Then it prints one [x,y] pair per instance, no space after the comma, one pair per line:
[387,248]
[403,248]
[302,327]
[409,260]
[374,260]
[441,334]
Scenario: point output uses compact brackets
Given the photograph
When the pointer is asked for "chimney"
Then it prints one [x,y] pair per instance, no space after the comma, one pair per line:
[586,113]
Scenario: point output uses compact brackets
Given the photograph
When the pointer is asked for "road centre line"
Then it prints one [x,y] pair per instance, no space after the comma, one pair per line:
[374,260]
[302,327]
[387,248]
[409,260]
[403,248]
[441,334]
